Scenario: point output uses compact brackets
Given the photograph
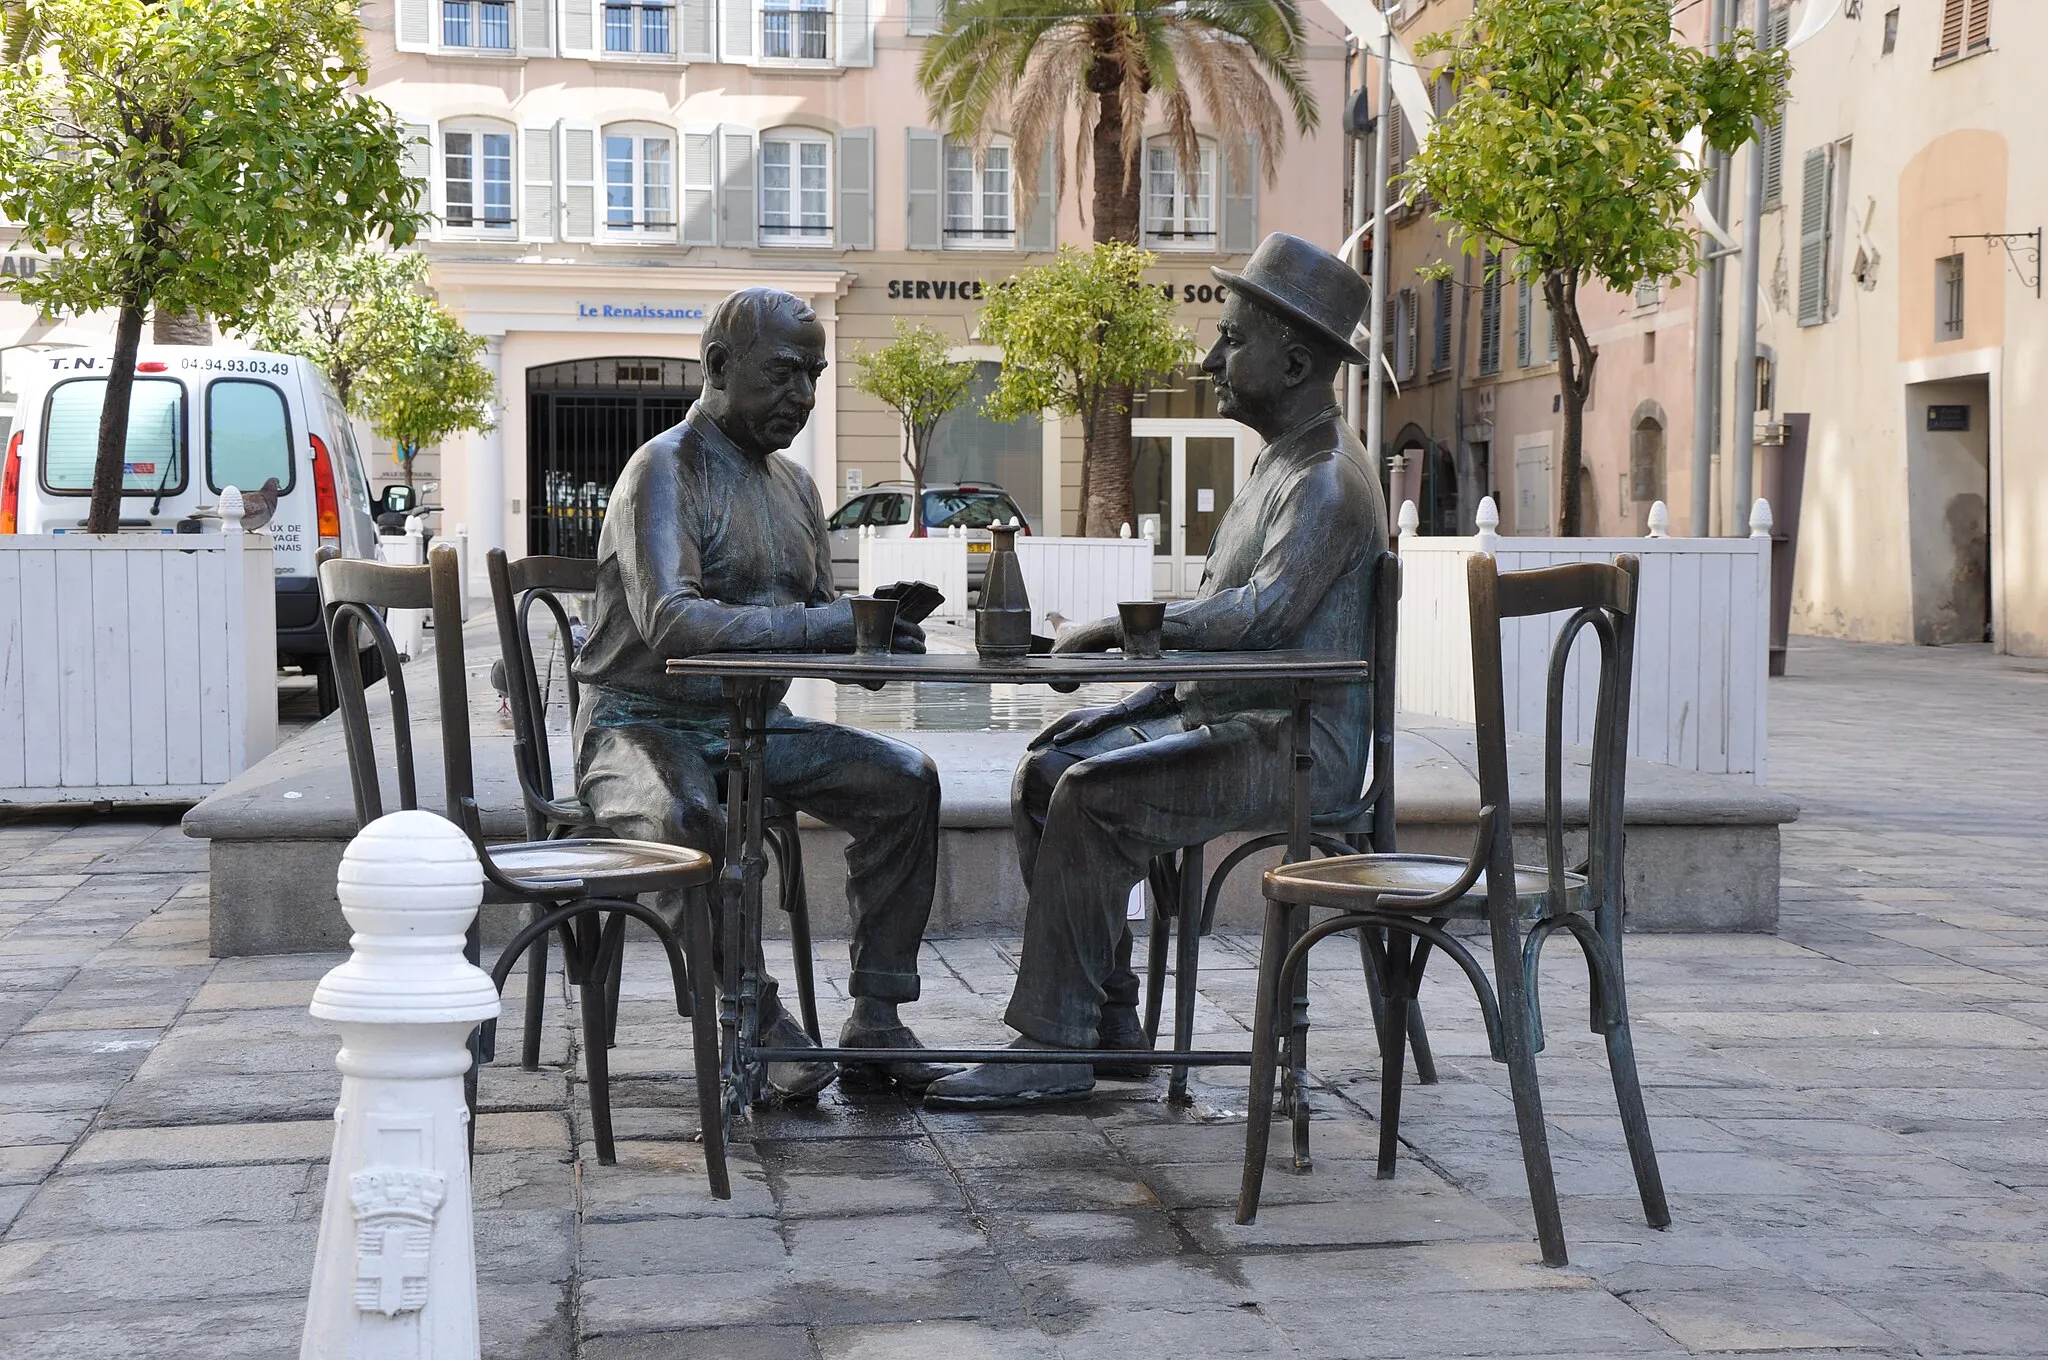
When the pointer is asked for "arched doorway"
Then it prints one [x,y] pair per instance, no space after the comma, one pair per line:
[1646,462]
[584,419]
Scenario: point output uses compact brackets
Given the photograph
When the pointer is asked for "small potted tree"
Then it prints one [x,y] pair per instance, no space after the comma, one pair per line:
[914,376]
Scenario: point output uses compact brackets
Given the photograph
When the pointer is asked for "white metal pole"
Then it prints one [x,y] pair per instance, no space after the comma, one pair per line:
[1375,392]
[1742,447]
[1361,187]
[1706,381]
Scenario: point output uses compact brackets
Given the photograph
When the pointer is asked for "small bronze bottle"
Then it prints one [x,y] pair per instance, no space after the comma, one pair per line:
[1002,624]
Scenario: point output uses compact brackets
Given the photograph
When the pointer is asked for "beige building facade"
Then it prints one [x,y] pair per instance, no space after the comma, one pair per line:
[1903,275]
[602,174]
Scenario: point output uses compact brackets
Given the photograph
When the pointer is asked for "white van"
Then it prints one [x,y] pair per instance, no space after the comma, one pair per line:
[202,418]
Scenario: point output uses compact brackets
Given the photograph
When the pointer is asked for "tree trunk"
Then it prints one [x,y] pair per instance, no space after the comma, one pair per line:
[180,328]
[1575,359]
[1106,474]
[916,461]
[103,515]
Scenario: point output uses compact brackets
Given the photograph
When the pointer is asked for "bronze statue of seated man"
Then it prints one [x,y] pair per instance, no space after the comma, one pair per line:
[714,542]
[1104,790]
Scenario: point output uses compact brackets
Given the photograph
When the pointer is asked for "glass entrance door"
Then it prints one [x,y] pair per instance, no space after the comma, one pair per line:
[1184,474]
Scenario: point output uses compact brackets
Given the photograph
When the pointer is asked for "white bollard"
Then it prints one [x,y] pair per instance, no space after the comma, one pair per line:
[1408,522]
[395,1273]
[1760,521]
[1660,520]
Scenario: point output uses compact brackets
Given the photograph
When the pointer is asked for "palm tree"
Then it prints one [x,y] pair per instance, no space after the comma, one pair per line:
[1021,64]
[22,32]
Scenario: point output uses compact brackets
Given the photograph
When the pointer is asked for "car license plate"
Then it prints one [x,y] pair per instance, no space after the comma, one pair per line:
[979,547]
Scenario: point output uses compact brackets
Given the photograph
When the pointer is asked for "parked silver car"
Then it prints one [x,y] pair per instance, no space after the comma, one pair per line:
[885,508]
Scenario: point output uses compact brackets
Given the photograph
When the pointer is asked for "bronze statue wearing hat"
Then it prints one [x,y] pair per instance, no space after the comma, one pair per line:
[1105,789]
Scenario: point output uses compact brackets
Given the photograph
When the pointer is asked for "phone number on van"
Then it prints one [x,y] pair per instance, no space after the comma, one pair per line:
[278,366]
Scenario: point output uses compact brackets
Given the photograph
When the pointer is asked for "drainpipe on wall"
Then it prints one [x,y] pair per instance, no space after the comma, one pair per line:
[1706,330]
[1742,446]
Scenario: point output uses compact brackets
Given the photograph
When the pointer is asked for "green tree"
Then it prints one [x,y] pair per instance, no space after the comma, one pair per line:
[396,357]
[1020,66]
[1075,334]
[1564,147]
[440,388]
[913,376]
[174,152]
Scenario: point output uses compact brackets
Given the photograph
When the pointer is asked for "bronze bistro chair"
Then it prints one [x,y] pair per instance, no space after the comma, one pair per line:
[1415,896]
[516,588]
[586,889]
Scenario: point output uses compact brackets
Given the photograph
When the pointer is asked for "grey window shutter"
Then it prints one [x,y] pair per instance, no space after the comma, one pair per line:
[857,188]
[579,28]
[1550,328]
[738,207]
[700,188]
[921,18]
[1440,335]
[1241,199]
[534,39]
[1524,298]
[1411,307]
[694,41]
[1813,238]
[537,183]
[415,25]
[418,160]
[921,191]
[736,30]
[856,35]
[1489,315]
[579,182]
[1039,231]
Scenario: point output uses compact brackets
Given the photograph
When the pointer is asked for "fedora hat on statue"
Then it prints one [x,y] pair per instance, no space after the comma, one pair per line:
[1307,286]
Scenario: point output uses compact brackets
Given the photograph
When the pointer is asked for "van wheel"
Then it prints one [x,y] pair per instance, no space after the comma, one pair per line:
[325,697]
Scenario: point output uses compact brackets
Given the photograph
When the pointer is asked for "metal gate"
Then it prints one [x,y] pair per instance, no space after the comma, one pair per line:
[584,419]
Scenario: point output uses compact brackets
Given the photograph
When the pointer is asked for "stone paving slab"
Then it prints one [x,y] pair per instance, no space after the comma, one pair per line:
[1849,1117]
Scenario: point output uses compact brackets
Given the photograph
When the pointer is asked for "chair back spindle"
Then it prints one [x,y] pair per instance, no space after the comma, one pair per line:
[517,588]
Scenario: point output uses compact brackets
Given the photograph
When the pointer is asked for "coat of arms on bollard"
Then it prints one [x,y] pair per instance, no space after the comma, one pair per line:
[394,1236]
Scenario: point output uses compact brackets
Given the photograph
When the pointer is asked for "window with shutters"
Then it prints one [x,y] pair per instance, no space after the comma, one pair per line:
[639,183]
[796,188]
[1549,333]
[476,179]
[1180,210]
[1406,305]
[977,197]
[1965,30]
[1823,227]
[796,30]
[1948,298]
[1440,326]
[639,28]
[1489,316]
[479,25]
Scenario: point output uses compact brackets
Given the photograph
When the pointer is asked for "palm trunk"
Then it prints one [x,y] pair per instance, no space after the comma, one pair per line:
[103,515]
[1106,471]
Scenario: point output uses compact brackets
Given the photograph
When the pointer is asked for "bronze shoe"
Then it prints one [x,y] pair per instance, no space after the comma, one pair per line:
[910,1074]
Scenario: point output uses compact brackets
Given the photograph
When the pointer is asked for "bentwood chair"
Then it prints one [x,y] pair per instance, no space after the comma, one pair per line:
[586,889]
[1407,900]
[1185,908]
[516,588]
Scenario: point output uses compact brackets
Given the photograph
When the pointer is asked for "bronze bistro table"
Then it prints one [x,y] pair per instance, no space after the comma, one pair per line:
[747,677]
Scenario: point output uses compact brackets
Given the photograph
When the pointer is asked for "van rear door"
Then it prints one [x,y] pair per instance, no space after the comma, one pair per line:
[155,471]
[252,432]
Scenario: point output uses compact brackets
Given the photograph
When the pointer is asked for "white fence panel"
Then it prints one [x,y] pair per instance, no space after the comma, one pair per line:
[1701,645]
[134,667]
[1083,578]
[940,560]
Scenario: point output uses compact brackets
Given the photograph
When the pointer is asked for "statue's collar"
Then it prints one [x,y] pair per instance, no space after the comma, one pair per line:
[1303,426]
[707,433]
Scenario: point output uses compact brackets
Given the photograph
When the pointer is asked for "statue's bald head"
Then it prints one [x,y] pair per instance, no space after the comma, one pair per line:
[764,351]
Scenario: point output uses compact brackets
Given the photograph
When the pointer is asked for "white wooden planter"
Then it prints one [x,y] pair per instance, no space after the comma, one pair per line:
[135,667]
[1701,647]
[1083,578]
[940,559]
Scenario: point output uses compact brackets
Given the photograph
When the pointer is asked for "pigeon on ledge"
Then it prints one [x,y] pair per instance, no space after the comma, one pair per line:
[257,506]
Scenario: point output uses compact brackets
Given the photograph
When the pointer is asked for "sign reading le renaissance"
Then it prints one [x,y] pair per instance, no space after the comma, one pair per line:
[610,311]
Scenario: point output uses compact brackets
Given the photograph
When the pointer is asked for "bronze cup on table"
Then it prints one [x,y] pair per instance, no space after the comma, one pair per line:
[874,625]
[1141,622]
